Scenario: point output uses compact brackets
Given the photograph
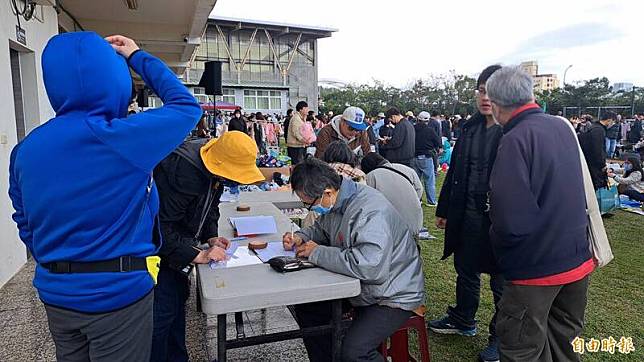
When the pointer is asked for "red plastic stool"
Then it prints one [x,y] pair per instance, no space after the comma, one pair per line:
[399,342]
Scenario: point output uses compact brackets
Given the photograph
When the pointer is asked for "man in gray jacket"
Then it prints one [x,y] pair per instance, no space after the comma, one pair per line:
[358,234]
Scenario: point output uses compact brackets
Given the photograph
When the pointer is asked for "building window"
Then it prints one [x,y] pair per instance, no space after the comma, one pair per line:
[228,97]
[276,100]
[262,99]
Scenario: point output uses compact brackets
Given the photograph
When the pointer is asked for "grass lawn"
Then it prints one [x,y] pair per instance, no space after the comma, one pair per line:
[615,301]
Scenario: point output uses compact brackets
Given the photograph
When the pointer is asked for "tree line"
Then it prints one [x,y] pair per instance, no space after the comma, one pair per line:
[453,93]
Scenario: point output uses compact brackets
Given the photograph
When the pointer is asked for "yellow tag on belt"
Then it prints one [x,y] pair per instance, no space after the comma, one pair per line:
[153,263]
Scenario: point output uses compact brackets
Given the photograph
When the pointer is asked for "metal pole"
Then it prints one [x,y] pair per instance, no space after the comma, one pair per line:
[221,338]
[224,40]
[633,102]
[566,72]
[336,331]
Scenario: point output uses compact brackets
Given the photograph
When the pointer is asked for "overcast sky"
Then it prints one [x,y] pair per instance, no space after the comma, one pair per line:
[402,40]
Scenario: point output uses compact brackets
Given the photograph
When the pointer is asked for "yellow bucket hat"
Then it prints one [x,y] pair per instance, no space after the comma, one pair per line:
[232,156]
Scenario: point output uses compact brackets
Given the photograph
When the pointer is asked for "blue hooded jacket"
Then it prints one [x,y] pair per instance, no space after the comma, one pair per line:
[80,182]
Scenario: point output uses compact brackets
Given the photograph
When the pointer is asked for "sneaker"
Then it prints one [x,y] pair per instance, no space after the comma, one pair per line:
[490,353]
[448,326]
[423,234]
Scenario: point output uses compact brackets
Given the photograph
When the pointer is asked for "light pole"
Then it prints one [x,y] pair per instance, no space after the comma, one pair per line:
[565,72]
[633,101]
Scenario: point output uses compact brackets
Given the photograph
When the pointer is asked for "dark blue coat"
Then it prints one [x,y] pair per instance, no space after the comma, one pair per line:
[538,204]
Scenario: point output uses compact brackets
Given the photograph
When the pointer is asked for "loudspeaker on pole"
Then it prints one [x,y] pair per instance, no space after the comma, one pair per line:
[211,78]
[142,97]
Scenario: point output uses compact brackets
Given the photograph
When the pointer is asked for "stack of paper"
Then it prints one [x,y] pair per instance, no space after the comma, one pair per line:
[274,248]
[241,257]
[254,225]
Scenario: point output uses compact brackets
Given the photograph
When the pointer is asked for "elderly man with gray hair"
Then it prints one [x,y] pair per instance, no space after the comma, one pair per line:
[538,215]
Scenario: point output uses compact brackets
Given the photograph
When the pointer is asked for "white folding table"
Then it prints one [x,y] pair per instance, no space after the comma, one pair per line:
[253,287]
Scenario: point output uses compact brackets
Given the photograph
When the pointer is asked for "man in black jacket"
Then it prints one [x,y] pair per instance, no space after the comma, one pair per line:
[428,145]
[446,128]
[635,133]
[287,122]
[463,211]
[592,143]
[401,148]
[613,133]
[190,182]
[237,123]
[436,124]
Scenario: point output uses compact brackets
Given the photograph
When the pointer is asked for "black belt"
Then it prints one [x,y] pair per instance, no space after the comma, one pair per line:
[122,264]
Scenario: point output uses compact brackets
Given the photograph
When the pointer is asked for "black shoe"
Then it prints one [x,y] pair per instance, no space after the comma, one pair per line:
[490,353]
[448,326]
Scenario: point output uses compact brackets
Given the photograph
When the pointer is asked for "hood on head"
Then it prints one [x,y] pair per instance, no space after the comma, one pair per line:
[83,73]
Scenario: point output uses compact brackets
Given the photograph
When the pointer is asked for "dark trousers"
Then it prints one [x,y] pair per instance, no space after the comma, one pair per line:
[169,337]
[122,335]
[634,195]
[539,323]
[473,256]
[371,326]
[296,154]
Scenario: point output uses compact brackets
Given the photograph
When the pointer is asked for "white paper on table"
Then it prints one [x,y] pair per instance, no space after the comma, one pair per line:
[241,257]
[274,248]
[254,225]
[226,196]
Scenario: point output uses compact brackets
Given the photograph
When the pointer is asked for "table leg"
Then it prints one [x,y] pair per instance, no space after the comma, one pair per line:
[221,338]
[336,331]
[198,295]
[239,325]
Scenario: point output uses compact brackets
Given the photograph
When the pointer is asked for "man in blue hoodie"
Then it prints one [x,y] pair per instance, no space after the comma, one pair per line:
[84,198]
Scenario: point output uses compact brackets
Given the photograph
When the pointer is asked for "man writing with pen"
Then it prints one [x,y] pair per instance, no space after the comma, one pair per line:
[359,234]
[190,183]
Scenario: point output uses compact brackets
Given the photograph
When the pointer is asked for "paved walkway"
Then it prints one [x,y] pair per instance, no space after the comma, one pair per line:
[25,336]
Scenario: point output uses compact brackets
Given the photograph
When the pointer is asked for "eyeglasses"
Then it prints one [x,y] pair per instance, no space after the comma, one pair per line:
[480,91]
[310,205]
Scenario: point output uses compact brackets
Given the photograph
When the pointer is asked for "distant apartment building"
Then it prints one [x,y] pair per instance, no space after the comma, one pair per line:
[542,82]
[531,67]
[622,87]
[546,82]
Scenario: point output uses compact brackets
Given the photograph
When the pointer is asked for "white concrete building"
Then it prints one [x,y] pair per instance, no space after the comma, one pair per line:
[169,29]
[24,106]
[266,66]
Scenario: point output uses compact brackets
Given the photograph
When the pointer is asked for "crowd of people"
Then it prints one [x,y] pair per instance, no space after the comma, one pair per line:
[106,199]
[609,137]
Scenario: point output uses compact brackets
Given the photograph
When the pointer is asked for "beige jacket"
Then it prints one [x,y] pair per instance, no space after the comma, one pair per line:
[294,136]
